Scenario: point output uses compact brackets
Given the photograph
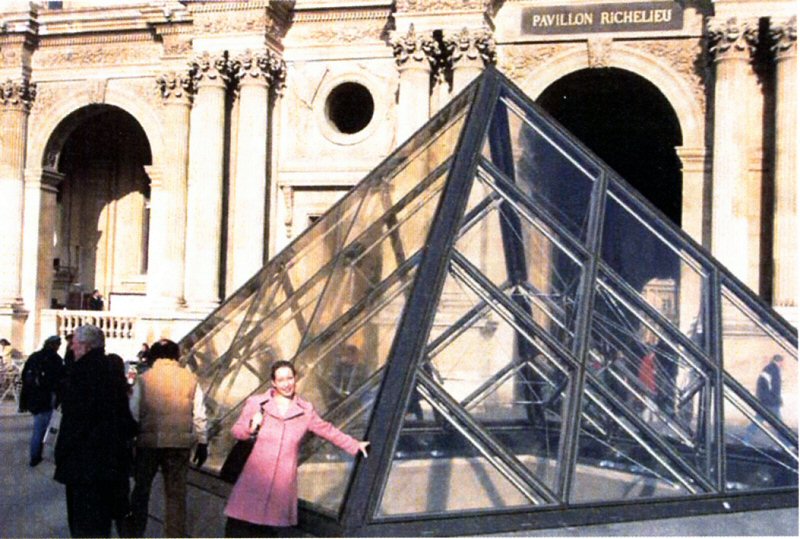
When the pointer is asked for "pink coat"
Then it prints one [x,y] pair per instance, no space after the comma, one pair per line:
[266,491]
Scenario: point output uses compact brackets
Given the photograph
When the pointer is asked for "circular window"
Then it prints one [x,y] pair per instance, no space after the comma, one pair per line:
[349,107]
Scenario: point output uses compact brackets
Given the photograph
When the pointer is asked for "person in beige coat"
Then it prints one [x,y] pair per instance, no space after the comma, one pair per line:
[168,404]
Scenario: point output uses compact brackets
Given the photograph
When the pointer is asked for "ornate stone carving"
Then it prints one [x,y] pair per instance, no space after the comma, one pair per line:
[517,62]
[687,57]
[96,54]
[599,51]
[264,64]
[288,202]
[177,45]
[208,68]
[176,87]
[404,6]
[18,94]
[470,46]
[345,34]
[417,48]
[732,38]
[783,37]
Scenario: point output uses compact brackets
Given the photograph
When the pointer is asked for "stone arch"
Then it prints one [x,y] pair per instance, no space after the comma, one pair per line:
[47,142]
[675,88]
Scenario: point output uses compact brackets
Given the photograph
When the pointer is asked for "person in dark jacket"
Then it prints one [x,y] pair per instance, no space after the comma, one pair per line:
[768,393]
[41,377]
[768,387]
[92,452]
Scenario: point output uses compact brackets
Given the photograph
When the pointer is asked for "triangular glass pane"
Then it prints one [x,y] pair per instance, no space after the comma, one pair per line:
[371,256]
[520,255]
[439,468]
[660,270]
[749,350]
[664,384]
[757,455]
[349,354]
[515,383]
[547,168]
[615,461]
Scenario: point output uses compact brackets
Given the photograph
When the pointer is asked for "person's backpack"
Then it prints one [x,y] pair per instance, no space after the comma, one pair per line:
[33,374]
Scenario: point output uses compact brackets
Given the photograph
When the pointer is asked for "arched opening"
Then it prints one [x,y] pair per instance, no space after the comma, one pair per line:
[103,203]
[628,123]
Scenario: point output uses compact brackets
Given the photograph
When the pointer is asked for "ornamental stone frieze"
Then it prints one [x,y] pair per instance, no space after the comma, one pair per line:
[470,46]
[732,38]
[412,48]
[96,54]
[17,94]
[686,56]
[208,68]
[176,87]
[265,65]
[410,6]
[517,62]
[783,37]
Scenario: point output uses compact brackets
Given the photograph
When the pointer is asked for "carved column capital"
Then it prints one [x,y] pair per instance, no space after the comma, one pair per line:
[17,94]
[732,38]
[211,69]
[176,88]
[264,66]
[471,46]
[783,37]
[412,50]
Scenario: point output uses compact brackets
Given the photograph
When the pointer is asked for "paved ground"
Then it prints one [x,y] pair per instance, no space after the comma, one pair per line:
[32,504]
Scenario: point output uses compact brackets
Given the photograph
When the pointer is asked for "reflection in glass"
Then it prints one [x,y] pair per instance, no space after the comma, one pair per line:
[665,276]
[748,349]
[440,468]
[758,456]
[548,169]
[615,462]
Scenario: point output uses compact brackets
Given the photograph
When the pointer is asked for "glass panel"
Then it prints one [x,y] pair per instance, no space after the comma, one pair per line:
[334,368]
[757,456]
[660,381]
[440,468]
[509,382]
[667,278]
[324,470]
[548,168]
[547,277]
[377,252]
[614,460]
[750,350]
[212,337]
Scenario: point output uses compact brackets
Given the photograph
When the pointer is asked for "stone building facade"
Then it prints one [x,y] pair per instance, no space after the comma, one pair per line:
[161,151]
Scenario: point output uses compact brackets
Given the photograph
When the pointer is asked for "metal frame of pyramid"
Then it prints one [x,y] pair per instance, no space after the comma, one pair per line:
[582,441]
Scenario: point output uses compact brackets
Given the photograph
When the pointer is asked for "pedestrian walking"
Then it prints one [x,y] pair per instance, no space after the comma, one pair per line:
[41,377]
[169,405]
[92,452]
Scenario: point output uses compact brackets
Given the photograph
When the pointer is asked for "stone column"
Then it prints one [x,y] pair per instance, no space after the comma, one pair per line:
[731,241]
[41,211]
[16,98]
[166,249]
[256,74]
[784,45]
[415,55]
[204,195]
[469,51]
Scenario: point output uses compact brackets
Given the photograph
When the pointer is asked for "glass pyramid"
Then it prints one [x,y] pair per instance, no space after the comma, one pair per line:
[522,338]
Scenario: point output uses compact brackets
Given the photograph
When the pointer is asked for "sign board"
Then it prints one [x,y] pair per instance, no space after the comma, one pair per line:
[594,18]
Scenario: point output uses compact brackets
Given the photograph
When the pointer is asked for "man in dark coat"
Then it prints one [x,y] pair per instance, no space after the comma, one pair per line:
[92,457]
[768,387]
[41,377]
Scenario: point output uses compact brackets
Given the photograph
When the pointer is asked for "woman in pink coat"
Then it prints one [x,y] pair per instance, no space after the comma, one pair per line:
[263,501]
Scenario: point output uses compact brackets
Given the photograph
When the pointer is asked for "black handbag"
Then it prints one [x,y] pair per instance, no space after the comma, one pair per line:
[234,462]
